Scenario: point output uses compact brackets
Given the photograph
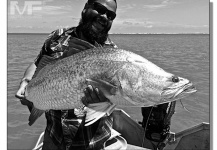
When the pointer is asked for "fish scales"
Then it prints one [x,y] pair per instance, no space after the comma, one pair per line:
[62,71]
[60,84]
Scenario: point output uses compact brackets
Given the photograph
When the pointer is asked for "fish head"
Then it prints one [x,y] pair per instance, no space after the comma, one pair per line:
[180,88]
[143,82]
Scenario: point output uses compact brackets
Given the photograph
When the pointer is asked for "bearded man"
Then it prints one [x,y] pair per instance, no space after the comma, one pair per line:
[65,128]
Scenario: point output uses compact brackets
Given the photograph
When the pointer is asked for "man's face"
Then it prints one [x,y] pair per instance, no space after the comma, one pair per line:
[97,20]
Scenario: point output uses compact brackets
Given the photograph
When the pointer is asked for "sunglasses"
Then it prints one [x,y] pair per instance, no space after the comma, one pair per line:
[103,10]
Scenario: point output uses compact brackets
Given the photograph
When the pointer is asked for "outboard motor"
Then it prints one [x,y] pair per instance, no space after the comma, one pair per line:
[156,122]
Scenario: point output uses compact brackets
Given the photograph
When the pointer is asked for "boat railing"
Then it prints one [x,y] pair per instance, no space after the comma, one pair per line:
[39,144]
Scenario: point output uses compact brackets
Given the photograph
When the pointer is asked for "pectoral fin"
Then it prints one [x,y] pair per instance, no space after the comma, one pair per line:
[106,87]
[35,114]
[97,110]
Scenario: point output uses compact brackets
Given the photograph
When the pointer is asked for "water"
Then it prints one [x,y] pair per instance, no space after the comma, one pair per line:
[184,55]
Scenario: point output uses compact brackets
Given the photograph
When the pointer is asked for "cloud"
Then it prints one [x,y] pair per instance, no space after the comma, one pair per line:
[194,26]
[128,6]
[53,10]
[127,23]
[51,7]
[159,4]
[178,25]
[125,8]
[146,23]
[135,22]
[154,6]
[75,19]
[45,1]
[166,2]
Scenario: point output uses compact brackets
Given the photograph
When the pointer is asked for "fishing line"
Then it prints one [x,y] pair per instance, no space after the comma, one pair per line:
[82,130]
[143,140]
[154,146]
[184,106]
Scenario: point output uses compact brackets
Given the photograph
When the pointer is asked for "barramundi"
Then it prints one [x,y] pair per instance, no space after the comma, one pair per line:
[125,78]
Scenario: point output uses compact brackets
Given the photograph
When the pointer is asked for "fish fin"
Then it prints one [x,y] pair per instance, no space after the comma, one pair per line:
[106,87]
[35,114]
[96,111]
[28,103]
[45,60]
[96,116]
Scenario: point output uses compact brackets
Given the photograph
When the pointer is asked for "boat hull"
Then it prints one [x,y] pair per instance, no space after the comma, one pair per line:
[195,138]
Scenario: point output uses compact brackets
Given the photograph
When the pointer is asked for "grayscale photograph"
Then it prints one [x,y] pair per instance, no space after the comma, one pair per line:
[108,75]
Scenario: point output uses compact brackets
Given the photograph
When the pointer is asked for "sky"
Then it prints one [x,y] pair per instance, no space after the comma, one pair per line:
[133,16]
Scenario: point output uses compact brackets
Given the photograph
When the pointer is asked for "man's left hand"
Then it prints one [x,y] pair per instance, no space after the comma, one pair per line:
[93,95]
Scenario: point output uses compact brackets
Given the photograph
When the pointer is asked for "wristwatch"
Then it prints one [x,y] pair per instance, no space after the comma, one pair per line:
[25,79]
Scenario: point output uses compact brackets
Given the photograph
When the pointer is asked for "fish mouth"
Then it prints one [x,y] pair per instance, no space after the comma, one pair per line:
[184,90]
[178,93]
[189,88]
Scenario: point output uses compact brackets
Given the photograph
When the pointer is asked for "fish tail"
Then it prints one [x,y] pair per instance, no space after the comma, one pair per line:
[35,114]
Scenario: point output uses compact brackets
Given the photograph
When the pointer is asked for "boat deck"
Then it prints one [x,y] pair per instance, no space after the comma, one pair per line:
[133,147]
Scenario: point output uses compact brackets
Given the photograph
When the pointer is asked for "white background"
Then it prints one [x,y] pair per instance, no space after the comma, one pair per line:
[3,73]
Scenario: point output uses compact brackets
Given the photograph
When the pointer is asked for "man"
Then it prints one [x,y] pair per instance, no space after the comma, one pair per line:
[65,129]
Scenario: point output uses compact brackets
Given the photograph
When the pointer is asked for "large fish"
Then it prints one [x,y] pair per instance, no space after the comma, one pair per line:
[130,80]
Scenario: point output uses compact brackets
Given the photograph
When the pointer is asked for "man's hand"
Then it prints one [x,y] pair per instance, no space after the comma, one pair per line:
[21,95]
[21,91]
[93,95]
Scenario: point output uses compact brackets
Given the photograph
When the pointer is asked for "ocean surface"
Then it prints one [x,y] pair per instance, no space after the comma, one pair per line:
[186,55]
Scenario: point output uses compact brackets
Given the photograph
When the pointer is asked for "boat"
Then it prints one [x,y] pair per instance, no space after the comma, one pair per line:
[131,132]
[196,137]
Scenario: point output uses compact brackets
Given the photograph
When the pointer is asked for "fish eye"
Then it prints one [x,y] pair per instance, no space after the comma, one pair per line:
[175,79]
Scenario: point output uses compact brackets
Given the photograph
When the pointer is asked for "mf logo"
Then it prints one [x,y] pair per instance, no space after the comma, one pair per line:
[28,8]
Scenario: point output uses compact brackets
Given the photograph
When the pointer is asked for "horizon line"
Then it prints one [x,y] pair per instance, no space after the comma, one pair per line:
[110,33]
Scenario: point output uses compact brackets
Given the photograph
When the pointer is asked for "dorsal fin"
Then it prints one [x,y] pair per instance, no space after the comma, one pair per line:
[45,60]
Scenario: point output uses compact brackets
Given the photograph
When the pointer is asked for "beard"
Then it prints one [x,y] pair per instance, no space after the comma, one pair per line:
[85,26]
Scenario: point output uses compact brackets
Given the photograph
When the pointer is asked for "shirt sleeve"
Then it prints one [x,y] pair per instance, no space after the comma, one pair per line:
[46,48]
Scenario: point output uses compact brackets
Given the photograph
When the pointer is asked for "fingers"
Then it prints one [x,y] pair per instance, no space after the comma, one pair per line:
[93,95]
[24,101]
[100,95]
[103,85]
[87,98]
[79,112]
[21,91]
[20,94]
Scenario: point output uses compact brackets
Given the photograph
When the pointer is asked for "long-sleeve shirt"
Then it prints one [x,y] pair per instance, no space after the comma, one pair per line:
[63,124]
